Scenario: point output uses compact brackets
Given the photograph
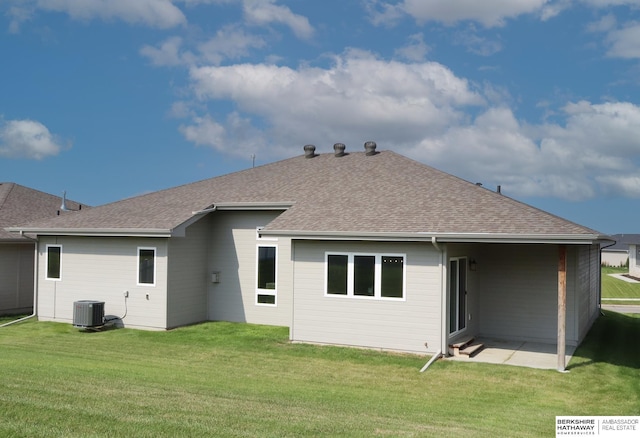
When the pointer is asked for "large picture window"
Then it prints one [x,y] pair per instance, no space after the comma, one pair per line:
[266,275]
[365,275]
[54,262]
[147,266]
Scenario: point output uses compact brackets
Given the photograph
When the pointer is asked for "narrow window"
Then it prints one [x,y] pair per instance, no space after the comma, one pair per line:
[146,266]
[392,277]
[266,293]
[364,275]
[337,271]
[54,255]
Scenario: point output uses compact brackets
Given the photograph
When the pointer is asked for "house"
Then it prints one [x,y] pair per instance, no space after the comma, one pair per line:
[618,254]
[634,259]
[368,249]
[20,205]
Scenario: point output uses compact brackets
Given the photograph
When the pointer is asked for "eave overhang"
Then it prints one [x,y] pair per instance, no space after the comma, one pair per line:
[566,239]
[246,206]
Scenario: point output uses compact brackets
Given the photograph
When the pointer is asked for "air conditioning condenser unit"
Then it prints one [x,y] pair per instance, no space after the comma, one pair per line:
[88,313]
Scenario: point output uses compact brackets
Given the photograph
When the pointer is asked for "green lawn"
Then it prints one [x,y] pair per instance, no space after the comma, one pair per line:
[615,288]
[242,380]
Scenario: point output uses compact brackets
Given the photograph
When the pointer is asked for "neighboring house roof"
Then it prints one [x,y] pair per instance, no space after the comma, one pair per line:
[357,195]
[622,242]
[20,205]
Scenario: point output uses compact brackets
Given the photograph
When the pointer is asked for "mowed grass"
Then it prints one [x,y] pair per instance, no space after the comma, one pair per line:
[243,380]
[615,288]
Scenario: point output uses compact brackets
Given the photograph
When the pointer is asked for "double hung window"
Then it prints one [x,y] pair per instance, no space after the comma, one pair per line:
[365,275]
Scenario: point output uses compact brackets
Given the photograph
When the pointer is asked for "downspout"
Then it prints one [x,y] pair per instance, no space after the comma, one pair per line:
[35,284]
[443,298]
[432,360]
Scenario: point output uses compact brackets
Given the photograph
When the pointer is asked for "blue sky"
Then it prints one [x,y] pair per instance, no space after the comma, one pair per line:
[108,99]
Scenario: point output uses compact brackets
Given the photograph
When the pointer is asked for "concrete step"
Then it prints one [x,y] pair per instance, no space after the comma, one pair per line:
[471,350]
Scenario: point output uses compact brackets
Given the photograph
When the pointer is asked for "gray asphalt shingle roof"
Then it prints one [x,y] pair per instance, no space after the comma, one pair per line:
[382,193]
[20,205]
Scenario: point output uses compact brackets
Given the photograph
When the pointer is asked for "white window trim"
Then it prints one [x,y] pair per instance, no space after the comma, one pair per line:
[47,262]
[155,266]
[271,292]
[377,283]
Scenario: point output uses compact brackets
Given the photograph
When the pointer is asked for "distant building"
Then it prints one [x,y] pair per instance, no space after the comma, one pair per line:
[618,254]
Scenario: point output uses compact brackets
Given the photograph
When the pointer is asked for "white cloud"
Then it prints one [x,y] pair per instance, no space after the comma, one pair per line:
[608,3]
[27,139]
[490,13]
[155,13]
[230,42]
[167,54]
[359,96]
[264,12]
[415,50]
[205,131]
[475,43]
[236,134]
[420,110]
[606,23]
[625,42]
[595,151]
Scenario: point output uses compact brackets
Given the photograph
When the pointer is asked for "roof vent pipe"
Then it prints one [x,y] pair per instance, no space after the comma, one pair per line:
[370,148]
[339,149]
[63,206]
[499,190]
[309,151]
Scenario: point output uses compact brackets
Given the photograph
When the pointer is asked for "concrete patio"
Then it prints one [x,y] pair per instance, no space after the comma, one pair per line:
[518,353]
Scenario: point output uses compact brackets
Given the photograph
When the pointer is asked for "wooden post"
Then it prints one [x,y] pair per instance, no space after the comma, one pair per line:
[562,306]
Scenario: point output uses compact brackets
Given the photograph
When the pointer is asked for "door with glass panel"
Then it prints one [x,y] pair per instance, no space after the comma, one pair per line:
[457,294]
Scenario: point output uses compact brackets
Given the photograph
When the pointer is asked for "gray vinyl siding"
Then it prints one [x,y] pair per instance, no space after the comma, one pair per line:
[16,278]
[103,268]
[188,275]
[394,325]
[587,293]
[233,254]
[519,292]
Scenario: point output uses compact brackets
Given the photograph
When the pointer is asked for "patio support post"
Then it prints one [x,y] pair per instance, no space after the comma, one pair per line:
[562,306]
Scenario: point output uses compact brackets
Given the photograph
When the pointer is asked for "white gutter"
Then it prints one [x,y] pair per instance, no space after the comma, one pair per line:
[239,206]
[35,285]
[568,239]
[95,232]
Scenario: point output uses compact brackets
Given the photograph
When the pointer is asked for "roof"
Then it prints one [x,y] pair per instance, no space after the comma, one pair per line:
[355,195]
[623,241]
[20,205]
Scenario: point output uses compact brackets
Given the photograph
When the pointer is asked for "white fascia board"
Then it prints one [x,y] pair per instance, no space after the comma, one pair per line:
[95,232]
[570,239]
